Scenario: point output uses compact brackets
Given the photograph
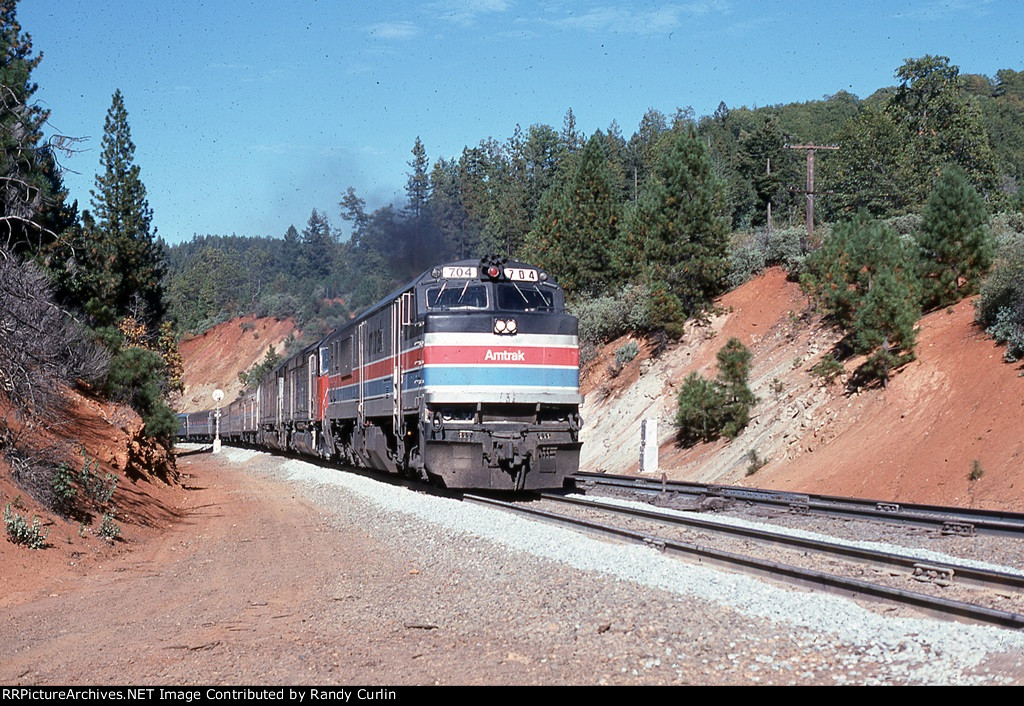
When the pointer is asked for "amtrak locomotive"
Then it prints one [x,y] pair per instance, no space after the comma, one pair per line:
[467,377]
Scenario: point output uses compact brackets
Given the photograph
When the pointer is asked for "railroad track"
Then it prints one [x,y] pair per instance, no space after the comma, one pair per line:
[745,551]
[947,520]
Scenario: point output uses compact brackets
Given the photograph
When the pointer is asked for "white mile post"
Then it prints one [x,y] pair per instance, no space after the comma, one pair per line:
[649,445]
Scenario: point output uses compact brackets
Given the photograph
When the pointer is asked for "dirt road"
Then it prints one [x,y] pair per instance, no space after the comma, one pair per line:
[265,575]
[256,585]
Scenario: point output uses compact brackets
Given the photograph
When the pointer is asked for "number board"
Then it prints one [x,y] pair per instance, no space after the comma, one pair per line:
[521,274]
[451,272]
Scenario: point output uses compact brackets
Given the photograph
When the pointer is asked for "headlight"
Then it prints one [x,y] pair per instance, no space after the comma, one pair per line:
[505,326]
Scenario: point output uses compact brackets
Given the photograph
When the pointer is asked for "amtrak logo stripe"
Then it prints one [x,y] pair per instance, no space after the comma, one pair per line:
[522,340]
[522,355]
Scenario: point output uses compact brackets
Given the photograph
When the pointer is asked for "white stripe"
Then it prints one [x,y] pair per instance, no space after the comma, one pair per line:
[522,340]
[540,389]
[500,365]
[515,394]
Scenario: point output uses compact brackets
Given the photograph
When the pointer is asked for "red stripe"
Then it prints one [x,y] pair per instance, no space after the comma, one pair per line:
[463,355]
[500,355]
[411,360]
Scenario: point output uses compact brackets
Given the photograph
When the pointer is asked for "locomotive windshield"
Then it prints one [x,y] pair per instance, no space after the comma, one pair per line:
[513,296]
[453,296]
[506,296]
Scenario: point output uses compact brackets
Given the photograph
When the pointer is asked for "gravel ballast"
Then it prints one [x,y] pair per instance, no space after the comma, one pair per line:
[627,614]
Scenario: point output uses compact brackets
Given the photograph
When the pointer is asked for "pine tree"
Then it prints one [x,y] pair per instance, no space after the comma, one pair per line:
[126,247]
[757,148]
[680,229]
[29,182]
[447,214]
[577,223]
[721,407]
[955,244]
[699,416]
[943,123]
[884,325]
[472,175]
[865,279]
[642,150]
[316,250]
[571,139]
[511,214]
[290,251]
[417,189]
[733,374]
[540,154]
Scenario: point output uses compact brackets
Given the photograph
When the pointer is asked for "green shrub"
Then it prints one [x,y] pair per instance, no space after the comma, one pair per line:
[63,490]
[976,471]
[756,463]
[751,253]
[747,259]
[1000,308]
[1006,227]
[605,318]
[721,407]
[906,225]
[1008,329]
[623,354]
[100,489]
[785,248]
[252,376]
[626,353]
[588,351]
[20,531]
[108,528]
[828,369]
[138,376]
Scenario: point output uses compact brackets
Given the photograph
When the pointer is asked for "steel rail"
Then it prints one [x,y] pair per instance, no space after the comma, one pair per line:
[916,566]
[949,520]
[939,607]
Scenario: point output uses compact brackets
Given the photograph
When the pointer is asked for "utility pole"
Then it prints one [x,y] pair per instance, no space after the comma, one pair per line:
[768,172]
[810,183]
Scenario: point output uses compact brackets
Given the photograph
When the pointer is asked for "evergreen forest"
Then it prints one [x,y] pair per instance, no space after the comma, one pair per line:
[672,215]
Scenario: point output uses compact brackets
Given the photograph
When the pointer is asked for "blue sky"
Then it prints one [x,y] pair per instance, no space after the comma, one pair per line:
[247,115]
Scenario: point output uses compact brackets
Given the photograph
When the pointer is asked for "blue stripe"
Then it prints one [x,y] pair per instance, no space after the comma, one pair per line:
[373,388]
[501,375]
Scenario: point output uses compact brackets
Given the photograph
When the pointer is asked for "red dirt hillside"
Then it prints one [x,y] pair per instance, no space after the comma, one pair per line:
[144,503]
[916,440]
[214,358]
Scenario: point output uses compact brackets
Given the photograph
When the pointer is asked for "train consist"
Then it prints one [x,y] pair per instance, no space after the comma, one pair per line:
[468,377]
